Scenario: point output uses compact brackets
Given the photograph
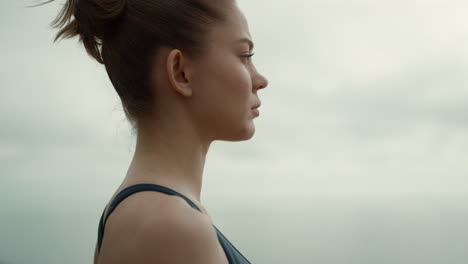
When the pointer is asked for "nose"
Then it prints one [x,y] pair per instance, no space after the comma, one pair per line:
[261,82]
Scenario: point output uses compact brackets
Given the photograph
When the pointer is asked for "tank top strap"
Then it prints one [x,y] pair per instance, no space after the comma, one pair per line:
[129,191]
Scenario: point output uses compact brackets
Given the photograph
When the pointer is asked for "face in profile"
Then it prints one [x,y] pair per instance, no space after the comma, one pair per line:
[226,81]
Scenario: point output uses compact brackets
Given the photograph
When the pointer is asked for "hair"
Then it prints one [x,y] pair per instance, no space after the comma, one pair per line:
[125,35]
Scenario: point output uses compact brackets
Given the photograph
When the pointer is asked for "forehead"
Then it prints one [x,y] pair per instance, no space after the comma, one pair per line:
[233,29]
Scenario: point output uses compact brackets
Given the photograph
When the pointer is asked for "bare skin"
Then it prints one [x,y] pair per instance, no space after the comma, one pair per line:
[199,102]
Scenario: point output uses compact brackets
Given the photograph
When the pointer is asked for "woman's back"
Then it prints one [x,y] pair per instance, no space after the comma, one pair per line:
[150,226]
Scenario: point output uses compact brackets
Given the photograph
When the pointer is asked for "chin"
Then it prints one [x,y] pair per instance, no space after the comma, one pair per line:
[246,133]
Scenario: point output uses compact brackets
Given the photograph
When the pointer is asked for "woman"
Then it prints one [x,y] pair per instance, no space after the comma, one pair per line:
[184,74]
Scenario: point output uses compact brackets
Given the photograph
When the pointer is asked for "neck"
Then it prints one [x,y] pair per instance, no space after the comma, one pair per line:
[171,154]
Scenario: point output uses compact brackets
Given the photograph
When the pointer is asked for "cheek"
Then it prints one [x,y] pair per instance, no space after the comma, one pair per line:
[225,90]
[235,80]
[234,92]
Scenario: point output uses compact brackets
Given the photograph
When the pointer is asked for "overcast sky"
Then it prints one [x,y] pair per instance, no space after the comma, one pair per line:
[364,98]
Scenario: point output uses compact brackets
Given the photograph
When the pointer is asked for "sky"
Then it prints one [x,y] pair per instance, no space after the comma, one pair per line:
[365,99]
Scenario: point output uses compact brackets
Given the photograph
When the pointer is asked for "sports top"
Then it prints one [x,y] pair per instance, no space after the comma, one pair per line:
[232,254]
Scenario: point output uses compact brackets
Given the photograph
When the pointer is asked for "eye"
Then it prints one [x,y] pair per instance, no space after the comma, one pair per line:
[248,56]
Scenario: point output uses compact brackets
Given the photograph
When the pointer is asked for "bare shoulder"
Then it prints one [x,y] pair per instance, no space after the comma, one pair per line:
[180,236]
[151,227]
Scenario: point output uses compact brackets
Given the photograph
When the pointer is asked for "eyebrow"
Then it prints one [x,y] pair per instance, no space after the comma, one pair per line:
[251,44]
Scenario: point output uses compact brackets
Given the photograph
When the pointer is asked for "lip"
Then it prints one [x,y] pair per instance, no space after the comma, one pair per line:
[256,111]
[257,106]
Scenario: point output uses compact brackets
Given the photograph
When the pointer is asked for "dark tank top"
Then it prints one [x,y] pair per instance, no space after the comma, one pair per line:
[232,254]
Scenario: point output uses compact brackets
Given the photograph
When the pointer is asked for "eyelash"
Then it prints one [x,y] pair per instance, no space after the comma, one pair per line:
[248,56]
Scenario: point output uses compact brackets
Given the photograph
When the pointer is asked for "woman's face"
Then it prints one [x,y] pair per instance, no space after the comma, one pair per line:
[225,82]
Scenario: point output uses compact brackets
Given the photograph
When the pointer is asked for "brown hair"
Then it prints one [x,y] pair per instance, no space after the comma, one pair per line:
[125,34]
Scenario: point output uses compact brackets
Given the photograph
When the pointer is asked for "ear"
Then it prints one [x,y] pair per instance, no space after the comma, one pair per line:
[178,73]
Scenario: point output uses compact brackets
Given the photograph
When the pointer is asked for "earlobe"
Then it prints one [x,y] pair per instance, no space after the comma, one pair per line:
[176,67]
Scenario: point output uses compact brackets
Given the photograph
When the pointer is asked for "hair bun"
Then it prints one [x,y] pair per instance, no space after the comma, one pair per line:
[94,16]
[93,19]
